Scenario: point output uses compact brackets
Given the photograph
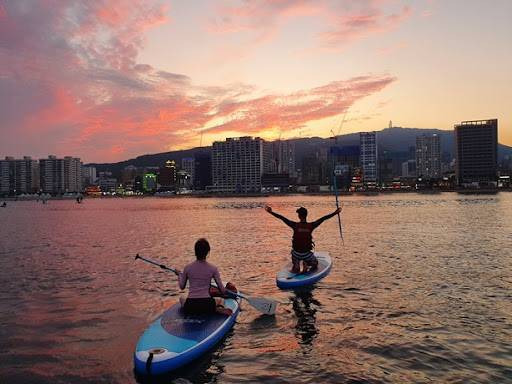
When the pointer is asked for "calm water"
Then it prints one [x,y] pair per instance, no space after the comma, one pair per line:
[420,292]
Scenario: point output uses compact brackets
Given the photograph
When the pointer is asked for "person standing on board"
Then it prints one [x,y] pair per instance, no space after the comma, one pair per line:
[302,241]
[199,274]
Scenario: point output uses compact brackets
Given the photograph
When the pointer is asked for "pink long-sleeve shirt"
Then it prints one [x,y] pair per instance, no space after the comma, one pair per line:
[200,274]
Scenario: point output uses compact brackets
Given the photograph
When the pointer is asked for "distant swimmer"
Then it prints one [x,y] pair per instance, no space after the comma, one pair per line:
[302,241]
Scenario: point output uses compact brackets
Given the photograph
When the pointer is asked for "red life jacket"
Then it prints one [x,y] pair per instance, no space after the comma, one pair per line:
[302,238]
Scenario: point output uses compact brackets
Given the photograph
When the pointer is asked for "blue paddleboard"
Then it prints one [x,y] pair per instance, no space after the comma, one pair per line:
[175,339]
[286,279]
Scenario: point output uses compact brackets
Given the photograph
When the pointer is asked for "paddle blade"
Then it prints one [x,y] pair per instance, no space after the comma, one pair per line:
[265,306]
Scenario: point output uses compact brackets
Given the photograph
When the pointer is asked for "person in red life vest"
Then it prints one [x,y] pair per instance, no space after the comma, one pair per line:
[199,274]
[302,241]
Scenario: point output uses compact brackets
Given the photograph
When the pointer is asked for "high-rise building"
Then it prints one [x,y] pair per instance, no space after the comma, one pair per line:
[72,174]
[476,150]
[428,156]
[345,161]
[188,165]
[238,164]
[409,169]
[282,158]
[7,171]
[368,157]
[167,175]
[88,175]
[60,175]
[51,173]
[19,176]
[202,170]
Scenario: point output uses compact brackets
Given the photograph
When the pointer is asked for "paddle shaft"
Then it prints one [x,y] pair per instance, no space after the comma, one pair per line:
[337,204]
[157,264]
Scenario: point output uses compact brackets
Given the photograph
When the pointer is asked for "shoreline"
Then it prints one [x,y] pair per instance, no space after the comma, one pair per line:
[213,195]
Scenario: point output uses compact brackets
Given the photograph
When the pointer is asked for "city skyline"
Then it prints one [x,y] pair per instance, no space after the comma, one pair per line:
[106,82]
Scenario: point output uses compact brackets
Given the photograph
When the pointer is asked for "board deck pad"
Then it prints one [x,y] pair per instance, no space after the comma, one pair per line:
[286,279]
[196,328]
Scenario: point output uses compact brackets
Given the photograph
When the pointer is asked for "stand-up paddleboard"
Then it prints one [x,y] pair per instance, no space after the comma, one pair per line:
[175,339]
[286,279]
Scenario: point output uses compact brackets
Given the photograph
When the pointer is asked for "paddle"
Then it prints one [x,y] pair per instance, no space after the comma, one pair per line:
[264,305]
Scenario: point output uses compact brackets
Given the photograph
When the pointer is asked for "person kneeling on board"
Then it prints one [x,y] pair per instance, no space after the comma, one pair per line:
[199,274]
[302,241]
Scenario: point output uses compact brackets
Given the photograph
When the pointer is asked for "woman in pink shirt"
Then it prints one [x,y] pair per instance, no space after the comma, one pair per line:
[199,274]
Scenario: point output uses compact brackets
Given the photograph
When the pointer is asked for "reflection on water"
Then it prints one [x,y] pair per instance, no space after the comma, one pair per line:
[421,291]
[305,307]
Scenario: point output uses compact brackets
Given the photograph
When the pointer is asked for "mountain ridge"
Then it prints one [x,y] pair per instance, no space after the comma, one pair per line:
[394,139]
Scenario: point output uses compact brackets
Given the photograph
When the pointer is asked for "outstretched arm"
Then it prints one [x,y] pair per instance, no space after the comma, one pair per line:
[326,217]
[280,217]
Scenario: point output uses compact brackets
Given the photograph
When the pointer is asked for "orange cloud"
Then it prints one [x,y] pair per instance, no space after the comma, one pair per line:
[70,83]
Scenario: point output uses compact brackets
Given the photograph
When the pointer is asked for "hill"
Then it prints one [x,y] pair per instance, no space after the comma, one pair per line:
[395,139]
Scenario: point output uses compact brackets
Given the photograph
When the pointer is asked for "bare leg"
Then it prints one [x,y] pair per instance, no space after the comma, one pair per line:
[220,307]
[295,266]
[182,300]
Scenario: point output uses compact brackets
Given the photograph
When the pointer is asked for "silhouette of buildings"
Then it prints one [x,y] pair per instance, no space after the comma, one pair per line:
[19,176]
[166,176]
[368,158]
[476,151]
[88,176]
[202,170]
[188,165]
[282,157]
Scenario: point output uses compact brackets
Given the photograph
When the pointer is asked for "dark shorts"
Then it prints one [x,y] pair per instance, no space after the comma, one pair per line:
[200,306]
[308,258]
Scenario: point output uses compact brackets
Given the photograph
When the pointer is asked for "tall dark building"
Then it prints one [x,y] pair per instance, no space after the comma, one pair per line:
[476,150]
[428,156]
[202,170]
[346,162]
[167,175]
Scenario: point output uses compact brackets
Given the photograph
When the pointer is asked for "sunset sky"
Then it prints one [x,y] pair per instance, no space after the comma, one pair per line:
[110,80]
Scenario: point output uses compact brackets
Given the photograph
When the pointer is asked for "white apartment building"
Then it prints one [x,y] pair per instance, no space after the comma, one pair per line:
[238,164]
[60,175]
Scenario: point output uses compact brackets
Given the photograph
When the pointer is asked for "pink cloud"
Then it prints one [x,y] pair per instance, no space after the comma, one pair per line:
[70,84]
[293,111]
[353,26]
[345,21]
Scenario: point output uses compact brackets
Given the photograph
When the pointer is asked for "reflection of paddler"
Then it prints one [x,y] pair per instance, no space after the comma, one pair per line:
[304,307]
